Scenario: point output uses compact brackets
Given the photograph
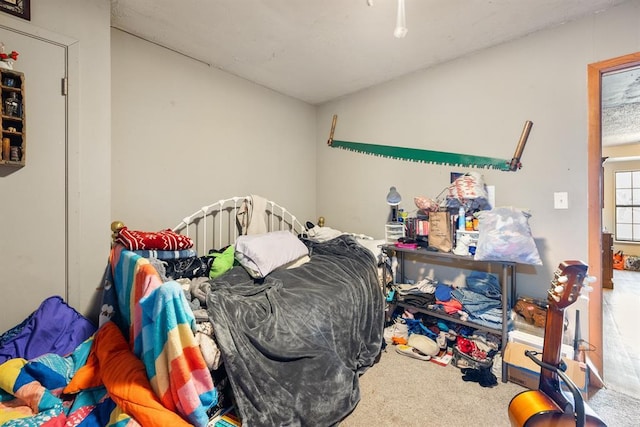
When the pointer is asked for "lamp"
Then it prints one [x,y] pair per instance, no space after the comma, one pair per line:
[393,200]
[401,21]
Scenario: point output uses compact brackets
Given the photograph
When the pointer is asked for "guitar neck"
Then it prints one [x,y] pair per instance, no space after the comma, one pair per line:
[564,291]
[551,354]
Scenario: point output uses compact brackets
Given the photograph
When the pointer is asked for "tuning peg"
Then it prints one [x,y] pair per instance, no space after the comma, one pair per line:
[588,279]
[558,289]
[563,279]
[555,297]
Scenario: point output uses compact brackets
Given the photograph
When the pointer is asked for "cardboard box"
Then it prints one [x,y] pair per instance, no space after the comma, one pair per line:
[522,370]
[537,342]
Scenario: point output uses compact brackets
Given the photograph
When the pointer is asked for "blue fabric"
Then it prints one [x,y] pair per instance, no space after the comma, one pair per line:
[165,255]
[491,318]
[473,302]
[443,293]
[415,326]
[53,328]
[485,284]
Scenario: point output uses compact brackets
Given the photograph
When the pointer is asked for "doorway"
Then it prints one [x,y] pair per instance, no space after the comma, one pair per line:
[595,200]
[33,254]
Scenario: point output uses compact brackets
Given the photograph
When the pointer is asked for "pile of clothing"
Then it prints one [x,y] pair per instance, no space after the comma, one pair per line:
[478,302]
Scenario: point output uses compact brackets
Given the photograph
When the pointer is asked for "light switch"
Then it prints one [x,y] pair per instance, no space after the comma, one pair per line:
[561,200]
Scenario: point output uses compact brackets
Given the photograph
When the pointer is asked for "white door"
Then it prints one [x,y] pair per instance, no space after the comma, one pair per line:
[33,258]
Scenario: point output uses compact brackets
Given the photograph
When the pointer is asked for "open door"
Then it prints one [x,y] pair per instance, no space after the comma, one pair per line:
[595,188]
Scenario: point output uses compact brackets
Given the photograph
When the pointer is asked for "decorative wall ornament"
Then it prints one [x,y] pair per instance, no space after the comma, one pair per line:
[435,157]
[19,8]
[7,59]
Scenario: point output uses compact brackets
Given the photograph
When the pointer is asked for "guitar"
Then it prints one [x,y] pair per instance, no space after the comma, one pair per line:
[550,405]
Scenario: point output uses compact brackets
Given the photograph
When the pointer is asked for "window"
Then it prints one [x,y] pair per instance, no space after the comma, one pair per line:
[628,206]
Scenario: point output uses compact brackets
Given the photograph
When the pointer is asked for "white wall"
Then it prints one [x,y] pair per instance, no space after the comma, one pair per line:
[186,135]
[478,105]
[88,168]
[199,126]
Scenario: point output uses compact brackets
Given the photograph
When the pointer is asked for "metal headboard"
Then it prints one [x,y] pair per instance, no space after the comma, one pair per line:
[215,226]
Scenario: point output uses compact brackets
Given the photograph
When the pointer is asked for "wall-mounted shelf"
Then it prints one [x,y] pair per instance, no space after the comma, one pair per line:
[12,120]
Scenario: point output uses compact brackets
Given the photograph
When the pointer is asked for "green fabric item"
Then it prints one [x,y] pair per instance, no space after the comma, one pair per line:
[223,262]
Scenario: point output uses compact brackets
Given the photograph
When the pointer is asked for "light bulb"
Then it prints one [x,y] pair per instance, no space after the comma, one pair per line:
[401,21]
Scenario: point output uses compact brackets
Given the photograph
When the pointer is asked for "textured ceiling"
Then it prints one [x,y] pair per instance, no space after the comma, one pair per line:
[318,50]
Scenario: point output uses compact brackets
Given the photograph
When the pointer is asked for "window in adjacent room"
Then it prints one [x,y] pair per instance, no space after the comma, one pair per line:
[628,206]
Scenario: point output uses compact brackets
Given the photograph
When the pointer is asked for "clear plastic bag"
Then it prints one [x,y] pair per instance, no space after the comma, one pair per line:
[505,235]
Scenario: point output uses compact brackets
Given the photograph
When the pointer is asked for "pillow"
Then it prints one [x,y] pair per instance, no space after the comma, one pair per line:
[323,234]
[54,327]
[296,263]
[165,240]
[504,235]
[260,254]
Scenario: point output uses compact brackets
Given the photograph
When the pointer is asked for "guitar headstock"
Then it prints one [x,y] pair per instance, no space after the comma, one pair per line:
[567,283]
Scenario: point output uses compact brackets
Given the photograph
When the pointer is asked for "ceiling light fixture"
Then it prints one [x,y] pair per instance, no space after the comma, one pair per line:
[401,22]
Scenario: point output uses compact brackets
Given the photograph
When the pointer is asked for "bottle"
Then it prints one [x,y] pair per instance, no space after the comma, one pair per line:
[12,105]
[461,218]
[468,225]
[6,148]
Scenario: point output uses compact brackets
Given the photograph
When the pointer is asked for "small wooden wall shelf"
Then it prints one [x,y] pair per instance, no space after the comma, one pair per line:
[12,120]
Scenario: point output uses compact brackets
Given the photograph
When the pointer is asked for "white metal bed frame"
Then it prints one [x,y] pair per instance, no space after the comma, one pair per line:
[215,227]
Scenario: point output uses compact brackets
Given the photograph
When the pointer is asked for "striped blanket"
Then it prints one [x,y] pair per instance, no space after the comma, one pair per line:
[158,323]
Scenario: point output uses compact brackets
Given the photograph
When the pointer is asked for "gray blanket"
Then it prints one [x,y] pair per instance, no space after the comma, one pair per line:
[295,343]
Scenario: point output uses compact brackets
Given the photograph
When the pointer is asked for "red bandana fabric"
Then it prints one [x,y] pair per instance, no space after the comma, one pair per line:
[160,240]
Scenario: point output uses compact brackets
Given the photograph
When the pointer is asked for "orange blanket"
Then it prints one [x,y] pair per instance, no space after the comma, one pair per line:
[111,363]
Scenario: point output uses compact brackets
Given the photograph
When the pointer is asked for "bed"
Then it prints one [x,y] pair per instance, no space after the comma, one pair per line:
[282,340]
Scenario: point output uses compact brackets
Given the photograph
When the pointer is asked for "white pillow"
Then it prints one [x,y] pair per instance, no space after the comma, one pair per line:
[260,254]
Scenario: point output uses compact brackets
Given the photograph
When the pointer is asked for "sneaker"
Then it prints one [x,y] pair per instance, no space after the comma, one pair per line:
[407,350]
[399,330]
[442,340]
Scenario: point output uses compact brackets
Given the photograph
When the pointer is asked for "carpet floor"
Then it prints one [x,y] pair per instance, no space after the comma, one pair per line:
[402,391]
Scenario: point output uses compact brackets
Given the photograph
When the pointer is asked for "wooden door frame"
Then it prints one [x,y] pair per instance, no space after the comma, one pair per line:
[594,189]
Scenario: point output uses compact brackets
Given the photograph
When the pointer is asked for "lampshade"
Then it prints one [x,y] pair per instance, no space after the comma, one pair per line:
[393,198]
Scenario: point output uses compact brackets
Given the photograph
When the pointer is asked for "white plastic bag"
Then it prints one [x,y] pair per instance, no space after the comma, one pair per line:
[505,235]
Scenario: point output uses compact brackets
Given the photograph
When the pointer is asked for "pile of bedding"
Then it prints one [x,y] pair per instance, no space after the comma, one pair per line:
[295,342]
[290,323]
[295,322]
[143,366]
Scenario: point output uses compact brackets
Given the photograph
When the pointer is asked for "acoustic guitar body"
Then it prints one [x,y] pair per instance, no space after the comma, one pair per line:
[533,408]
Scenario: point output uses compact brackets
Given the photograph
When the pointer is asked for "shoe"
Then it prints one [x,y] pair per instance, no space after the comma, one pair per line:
[398,331]
[441,340]
[411,352]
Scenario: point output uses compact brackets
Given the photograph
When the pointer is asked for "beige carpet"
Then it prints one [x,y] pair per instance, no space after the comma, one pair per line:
[401,391]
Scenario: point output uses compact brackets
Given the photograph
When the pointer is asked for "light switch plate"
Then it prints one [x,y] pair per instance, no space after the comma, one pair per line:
[561,200]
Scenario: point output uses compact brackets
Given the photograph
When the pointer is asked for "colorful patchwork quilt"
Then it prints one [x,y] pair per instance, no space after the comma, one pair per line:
[142,367]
